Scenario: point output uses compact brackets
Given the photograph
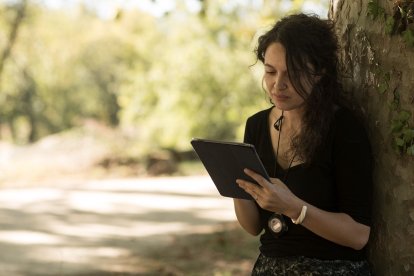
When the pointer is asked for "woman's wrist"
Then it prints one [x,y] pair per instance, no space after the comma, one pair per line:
[295,209]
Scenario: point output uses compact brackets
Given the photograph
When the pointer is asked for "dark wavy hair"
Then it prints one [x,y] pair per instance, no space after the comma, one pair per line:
[309,40]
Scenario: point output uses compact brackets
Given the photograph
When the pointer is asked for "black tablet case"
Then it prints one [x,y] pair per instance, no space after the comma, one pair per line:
[225,161]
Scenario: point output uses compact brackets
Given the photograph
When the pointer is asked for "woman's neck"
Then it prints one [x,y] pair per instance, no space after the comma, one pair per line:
[292,119]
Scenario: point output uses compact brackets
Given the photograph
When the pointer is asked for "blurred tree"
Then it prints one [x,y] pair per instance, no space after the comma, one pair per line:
[19,10]
[106,62]
[198,84]
[169,78]
[13,17]
[25,109]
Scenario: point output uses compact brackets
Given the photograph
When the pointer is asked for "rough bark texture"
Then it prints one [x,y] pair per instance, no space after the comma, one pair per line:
[381,67]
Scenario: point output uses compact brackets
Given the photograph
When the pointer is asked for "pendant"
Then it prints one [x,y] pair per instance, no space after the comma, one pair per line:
[277,225]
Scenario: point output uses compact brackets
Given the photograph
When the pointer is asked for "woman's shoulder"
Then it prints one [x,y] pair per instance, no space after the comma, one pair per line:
[260,115]
[256,126]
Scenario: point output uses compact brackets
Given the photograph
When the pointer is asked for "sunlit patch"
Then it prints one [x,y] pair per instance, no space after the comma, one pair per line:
[92,231]
[28,237]
[27,196]
[77,255]
[194,185]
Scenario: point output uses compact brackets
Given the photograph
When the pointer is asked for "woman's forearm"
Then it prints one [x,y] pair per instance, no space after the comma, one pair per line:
[339,228]
[247,214]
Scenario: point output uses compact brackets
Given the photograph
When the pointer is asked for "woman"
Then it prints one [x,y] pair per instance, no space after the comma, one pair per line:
[315,211]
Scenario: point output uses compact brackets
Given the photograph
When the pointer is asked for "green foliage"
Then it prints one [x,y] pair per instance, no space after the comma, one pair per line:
[205,89]
[401,22]
[403,11]
[383,79]
[383,85]
[395,103]
[408,36]
[403,135]
[375,10]
[389,25]
[162,79]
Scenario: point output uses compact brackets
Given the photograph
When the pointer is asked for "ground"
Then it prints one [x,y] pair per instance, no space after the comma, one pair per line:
[155,226]
[58,219]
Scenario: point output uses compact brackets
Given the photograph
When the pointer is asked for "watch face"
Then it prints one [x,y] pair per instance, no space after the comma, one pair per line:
[277,224]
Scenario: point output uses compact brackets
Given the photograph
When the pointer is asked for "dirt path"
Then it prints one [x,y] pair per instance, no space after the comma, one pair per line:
[102,227]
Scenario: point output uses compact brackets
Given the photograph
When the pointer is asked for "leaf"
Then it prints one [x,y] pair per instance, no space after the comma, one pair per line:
[374,10]
[394,104]
[404,116]
[399,142]
[408,135]
[382,87]
[389,25]
[384,78]
[408,37]
[410,150]
[396,126]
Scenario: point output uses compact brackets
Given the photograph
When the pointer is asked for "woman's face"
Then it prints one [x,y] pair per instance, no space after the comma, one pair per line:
[277,82]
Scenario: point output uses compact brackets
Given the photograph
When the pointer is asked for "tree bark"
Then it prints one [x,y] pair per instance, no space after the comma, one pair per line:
[378,71]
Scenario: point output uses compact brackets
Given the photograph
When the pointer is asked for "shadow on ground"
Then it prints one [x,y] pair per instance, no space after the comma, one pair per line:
[161,226]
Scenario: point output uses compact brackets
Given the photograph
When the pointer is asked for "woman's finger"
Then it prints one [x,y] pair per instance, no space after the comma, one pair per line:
[252,189]
[278,183]
[263,182]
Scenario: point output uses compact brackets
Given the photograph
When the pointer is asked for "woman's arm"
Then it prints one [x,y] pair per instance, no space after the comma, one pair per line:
[339,228]
[247,214]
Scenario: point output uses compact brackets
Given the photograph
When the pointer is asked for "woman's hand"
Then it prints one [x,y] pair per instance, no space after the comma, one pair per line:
[273,196]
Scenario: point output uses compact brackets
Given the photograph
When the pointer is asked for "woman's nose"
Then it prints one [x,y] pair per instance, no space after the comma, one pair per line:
[280,84]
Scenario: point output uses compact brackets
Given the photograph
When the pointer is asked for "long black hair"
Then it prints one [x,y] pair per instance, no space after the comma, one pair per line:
[311,51]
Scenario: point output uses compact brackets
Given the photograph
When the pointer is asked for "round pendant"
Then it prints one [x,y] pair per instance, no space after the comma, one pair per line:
[277,224]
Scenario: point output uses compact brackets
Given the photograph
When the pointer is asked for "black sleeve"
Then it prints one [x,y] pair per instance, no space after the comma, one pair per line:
[248,132]
[353,168]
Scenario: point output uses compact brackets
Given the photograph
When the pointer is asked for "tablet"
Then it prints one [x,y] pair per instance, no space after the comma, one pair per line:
[225,161]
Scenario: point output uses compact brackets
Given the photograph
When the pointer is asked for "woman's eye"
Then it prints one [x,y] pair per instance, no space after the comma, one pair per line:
[270,72]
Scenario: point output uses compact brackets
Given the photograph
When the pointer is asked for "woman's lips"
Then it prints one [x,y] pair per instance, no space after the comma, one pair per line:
[281,97]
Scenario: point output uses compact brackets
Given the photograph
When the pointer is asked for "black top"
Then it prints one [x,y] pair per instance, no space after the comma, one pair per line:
[338,180]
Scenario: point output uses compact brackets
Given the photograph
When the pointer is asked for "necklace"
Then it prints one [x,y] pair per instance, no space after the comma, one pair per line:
[276,222]
[278,126]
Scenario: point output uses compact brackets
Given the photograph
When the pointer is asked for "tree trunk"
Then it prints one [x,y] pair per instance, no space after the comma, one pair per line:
[20,13]
[5,53]
[379,69]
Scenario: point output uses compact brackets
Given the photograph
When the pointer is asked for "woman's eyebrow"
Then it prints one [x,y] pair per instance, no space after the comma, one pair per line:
[274,68]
